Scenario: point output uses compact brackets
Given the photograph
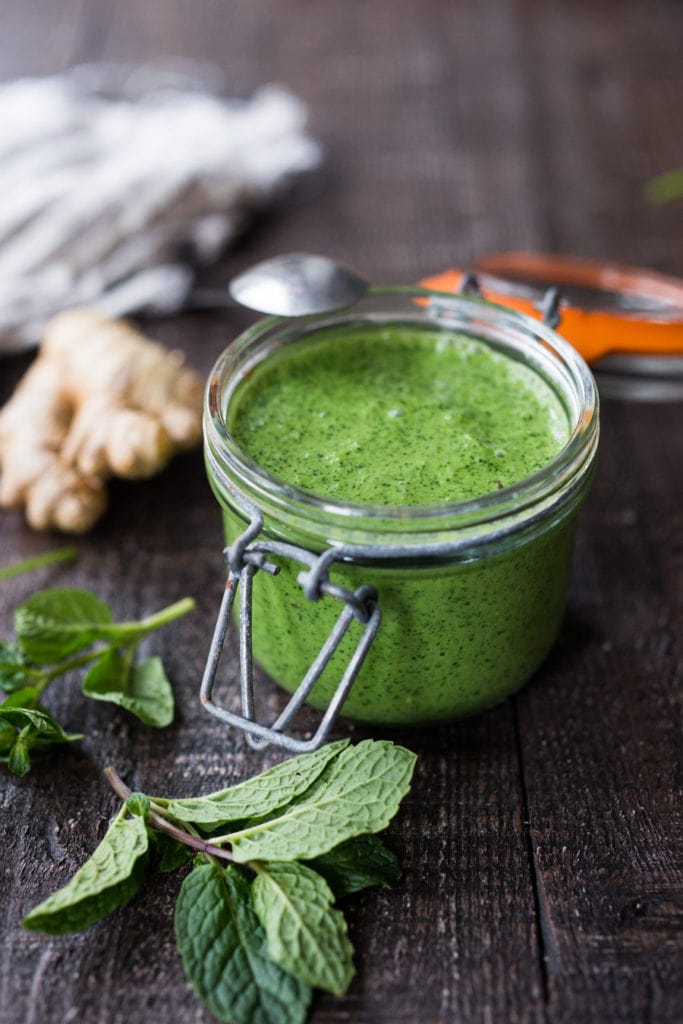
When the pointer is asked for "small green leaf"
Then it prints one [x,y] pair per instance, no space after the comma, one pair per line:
[224,953]
[359,792]
[109,879]
[41,722]
[137,804]
[8,735]
[142,689]
[306,935]
[19,760]
[357,864]
[27,697]
[54,623]
[172,854]
[666,187]
[14,666]
[262,794]
[27,730]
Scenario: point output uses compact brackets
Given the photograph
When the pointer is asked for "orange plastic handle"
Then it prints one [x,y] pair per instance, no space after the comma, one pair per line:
[595,333]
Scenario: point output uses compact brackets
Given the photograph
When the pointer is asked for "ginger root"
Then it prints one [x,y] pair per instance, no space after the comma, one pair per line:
[100,400]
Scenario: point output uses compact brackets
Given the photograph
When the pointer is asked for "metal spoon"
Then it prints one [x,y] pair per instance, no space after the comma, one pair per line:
[297,284]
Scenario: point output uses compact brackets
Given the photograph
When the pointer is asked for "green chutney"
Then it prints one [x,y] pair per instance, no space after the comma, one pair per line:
[397,417]
[407,416]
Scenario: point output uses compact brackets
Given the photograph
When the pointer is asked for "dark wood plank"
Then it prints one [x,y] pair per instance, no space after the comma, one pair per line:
[602,85]
[601,745]
[541,876]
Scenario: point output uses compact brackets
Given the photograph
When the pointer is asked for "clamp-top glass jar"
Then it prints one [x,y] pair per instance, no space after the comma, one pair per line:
[471,592]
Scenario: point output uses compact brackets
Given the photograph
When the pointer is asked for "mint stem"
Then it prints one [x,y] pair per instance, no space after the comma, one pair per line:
[174,611]
[149,624]
[68,665]
[38,561]
[163,825]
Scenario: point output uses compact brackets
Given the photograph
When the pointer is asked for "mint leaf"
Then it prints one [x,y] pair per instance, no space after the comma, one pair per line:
[19,760]
[109,879]
[262,794]
[306,935]
[137,804]
[26,729]
[8,735]
[143,688]
[172,854]
[27,697]
[41,721]
[357,864]
[54,623]
[359,791]
[665,187]
[14,666]
[224,954]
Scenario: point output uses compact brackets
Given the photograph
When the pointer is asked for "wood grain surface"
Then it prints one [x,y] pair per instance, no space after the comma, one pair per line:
[542,873]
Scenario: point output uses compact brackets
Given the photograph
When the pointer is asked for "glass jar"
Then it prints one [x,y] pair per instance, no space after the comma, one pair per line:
[471,593]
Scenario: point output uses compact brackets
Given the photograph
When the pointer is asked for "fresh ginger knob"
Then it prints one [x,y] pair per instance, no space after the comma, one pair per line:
[100,400]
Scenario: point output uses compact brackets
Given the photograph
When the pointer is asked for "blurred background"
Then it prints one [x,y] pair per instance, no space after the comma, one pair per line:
[542,882]
[449,129]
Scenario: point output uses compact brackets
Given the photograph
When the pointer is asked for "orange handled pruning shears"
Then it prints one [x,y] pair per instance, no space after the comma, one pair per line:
[628,310]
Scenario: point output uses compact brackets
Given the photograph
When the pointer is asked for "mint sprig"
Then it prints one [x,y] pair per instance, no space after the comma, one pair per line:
[256,936]
[63,629]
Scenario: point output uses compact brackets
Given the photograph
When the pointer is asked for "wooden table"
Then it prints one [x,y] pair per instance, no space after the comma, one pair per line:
[539,840]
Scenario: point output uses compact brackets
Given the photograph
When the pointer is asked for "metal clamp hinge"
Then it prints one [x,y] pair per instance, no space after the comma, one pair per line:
[244,558]
[548,306]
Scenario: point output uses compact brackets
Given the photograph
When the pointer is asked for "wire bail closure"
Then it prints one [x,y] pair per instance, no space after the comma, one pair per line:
[244,558]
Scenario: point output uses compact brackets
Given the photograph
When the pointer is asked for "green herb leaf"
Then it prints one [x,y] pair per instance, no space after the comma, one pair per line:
[14,666]
[27,697]
[262,794]
[54,623]
[26,729]
[306,935]
[19,760]
[8,735]
[359,792]
[666,187]
[109,879]
[224,954]
[357,864]
[137,804]
[143,688]
[41,721]
[172,854]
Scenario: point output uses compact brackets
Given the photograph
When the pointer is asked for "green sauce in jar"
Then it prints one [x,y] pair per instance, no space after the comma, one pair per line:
[408,433]
[397,416]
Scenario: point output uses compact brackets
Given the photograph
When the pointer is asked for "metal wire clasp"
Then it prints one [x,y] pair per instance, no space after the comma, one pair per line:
[244,558]
[548,306]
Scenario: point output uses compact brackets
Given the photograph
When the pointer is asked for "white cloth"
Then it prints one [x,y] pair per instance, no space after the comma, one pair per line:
[101,193]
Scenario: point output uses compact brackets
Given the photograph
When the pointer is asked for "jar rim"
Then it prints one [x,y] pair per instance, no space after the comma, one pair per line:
[535,341]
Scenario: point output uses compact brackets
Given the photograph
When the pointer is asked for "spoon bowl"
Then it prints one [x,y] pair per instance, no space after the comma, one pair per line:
[297,284]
